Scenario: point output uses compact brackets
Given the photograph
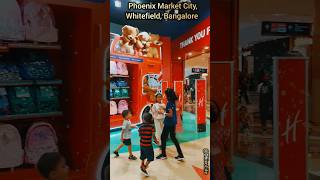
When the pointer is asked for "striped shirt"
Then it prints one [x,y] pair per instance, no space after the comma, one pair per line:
[145,133]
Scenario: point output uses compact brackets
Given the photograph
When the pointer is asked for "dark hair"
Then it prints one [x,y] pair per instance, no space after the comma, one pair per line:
[214,111]
[125,113]
[48,162]
[171,95]
[147,117]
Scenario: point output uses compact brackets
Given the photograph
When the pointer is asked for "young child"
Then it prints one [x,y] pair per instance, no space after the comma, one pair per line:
[52,166]
[146,132]
[158,110]
[126,134]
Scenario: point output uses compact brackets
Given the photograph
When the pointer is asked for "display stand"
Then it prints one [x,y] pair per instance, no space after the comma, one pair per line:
[140,69]
[290,117]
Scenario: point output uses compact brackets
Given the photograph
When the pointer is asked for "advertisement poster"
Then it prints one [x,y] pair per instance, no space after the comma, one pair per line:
[291,118]
[201,104]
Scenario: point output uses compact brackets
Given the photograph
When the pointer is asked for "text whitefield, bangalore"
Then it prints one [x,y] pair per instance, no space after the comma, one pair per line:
[171,11]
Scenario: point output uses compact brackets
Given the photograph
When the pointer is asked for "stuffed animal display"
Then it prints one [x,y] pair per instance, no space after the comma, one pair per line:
[144,43]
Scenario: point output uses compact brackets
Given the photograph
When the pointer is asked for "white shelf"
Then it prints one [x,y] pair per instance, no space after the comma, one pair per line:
[30,83]
[23,45]
[120,98]
[30,116]
[120,88]
[115,75]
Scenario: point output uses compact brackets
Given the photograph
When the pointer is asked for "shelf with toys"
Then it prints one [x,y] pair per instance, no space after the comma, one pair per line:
[135,66]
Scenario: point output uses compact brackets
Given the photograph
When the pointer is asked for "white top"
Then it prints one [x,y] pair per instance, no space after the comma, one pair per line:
[126,127]
[155,108]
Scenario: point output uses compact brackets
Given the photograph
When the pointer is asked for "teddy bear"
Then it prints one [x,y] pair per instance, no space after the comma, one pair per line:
[155,41]
[143,43]
[128,39]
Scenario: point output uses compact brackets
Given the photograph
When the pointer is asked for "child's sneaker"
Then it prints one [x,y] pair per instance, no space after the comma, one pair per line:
[132,157]
[162,157]
[179,158]
[116,153]
[144,171]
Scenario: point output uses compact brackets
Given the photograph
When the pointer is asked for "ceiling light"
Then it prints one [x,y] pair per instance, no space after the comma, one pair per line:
[190,54]
[117,3]
[179,58]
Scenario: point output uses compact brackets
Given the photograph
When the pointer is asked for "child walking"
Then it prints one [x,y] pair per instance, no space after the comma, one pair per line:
[158,110]
[146,132]
[126,134]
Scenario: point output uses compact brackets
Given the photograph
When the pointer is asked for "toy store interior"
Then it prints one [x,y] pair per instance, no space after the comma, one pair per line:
[145,60]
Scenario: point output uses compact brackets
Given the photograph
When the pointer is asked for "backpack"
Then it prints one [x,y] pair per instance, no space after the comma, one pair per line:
[122,105]
[111,93]
[41,138]
[113,108]
[124,92]
[21,100]
[39,22]
[11,26]
[122,69]
[47,99]
[113,84]
[113,67]
[11,152]
[36,66]
[117,93]
[122,83]
[4,102]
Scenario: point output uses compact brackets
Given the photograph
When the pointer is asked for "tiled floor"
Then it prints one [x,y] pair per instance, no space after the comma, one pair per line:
[123,169]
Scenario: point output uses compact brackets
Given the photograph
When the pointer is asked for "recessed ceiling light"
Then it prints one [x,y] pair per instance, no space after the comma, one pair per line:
[117,3]
[179,58]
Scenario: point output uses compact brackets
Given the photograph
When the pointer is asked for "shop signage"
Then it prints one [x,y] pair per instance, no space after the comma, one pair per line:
[195,37]
[125,58]
[199,70]
[290,118]
[286,29]
[201,110]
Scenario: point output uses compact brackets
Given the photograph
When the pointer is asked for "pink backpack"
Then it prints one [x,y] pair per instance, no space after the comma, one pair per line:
[113,67]
[122,69]
[113,108]
[122,105]
[11,26]
[11,152]
[41,138]
[39,22]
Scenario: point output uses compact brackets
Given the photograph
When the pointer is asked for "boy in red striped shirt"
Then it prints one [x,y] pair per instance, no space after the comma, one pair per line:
[146,133]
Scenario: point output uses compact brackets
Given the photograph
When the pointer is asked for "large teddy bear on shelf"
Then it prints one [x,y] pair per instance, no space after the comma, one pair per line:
[143,43]
[128,39]
[153,51]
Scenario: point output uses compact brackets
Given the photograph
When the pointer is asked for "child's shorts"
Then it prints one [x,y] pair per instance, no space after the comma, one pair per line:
[147,153]
[127,142]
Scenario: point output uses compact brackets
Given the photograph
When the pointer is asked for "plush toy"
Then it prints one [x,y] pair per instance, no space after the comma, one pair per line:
[143,43]
[150,92]
[153,51]
[128,39]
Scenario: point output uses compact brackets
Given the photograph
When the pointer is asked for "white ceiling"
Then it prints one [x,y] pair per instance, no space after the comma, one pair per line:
[253,12]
